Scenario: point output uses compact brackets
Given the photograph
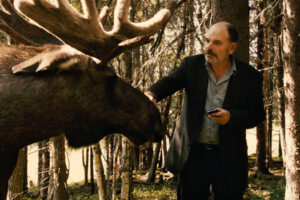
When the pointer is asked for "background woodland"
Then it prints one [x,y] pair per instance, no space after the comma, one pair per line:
[269,40]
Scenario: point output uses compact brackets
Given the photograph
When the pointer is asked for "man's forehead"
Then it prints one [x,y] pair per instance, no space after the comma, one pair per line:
[218,31]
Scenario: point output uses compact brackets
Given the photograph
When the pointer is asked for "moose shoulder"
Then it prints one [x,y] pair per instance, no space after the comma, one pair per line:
[84,100]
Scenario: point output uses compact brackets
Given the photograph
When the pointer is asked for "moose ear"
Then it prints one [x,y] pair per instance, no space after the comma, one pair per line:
[64,59]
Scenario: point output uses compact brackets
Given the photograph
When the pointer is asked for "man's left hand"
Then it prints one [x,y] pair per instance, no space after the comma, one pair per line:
[222,117]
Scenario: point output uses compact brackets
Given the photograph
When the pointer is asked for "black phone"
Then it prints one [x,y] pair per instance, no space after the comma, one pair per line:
[211,111]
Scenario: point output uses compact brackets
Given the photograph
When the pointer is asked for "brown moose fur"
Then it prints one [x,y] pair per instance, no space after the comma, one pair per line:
[85,101]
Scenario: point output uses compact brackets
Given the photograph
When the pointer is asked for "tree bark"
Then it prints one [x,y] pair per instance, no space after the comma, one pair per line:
[235,12]
[261,131]
[260,164]
[291,55]
[280,93]
[25,175]
[92,170]
[58,182]
[99,172]
[270,122]
[151,176]
[85,163]
[44,166]
[116,173]
[109,163]
[15,185]
[126,190]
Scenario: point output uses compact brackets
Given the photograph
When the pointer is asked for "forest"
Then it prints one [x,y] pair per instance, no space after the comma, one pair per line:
[115,168]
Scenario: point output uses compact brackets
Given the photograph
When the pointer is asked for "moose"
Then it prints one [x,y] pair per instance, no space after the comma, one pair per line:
[57,80]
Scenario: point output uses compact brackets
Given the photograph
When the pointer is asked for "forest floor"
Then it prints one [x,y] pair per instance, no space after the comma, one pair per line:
[261,187]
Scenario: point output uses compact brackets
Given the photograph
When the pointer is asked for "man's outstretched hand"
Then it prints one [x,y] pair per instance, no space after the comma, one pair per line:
[151,96]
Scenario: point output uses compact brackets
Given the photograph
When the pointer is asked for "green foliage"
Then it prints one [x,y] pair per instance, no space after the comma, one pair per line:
[76,4]
[262,187]
[153,191]
[78,191]
[2,37]
[266,187]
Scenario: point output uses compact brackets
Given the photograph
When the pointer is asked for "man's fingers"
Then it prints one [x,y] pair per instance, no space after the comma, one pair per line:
[151,96]
[222,117]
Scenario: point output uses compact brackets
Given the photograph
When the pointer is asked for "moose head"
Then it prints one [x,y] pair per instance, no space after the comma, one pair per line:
[59,82]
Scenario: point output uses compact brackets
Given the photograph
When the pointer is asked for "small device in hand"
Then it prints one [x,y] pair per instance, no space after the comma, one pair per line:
[211,111]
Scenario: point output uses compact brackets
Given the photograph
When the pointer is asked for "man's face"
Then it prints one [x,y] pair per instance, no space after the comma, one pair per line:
[217,44]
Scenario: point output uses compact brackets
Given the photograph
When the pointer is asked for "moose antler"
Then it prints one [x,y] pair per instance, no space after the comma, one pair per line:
[15,25]
[86,32]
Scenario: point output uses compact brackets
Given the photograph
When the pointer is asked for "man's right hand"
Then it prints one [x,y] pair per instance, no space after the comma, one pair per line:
[151,96]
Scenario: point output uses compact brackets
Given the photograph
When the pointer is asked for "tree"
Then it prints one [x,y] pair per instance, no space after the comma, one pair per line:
[58,182]
[15,185]
[126,147]
[44,165]
[261,131]
[126,172]
[291,55]
[236,12]
[92,170]
[85,163]
[100,172]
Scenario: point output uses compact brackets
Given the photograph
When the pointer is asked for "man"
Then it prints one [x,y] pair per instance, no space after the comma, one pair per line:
[209,148]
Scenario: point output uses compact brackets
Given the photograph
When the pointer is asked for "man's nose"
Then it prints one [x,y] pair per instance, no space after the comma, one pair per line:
[207,46]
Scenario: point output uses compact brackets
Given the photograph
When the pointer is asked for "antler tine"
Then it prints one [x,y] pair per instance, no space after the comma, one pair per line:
[86,33]
[103,14]
[66,23]
[120,15]
[16,26]
[123,27]
[89,9]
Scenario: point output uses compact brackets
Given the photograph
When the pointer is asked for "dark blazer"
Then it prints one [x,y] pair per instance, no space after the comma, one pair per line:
[244,100]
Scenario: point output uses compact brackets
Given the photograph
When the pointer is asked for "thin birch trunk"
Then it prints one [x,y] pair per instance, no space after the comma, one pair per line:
[291,55]
[99,172]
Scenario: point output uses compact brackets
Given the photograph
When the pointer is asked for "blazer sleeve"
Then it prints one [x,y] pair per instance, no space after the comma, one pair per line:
[171,83]
[255,112]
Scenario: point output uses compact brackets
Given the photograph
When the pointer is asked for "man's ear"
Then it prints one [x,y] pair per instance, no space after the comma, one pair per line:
[232,47]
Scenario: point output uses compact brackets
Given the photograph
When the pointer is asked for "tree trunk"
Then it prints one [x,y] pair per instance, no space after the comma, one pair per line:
[92,170]
[270,123]
[15,184]
[25,175]
[291,55]
[44,165]
[279,81]
[126,190]
[58,182]
[99,172]
[260,164]
[109,163]
[281,115]
[261,131]
[235,12]
[126,172]
[85,163]
[40,147]
[146,155]
[116,167]
[151,176]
